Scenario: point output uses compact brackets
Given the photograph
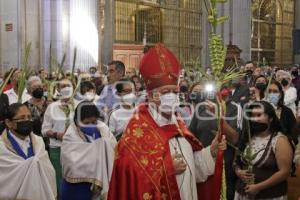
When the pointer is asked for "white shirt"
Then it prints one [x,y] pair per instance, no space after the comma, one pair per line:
[55,120]
[13,97]
[24,144]
[200,164]
[119,119]
[290,96]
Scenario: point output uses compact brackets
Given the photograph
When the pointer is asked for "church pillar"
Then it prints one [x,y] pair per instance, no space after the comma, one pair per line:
[10,54]
[108,34]
[237,29]
[297,24]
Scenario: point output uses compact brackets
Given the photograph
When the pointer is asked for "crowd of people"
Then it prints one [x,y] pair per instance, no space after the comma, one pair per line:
[103,135]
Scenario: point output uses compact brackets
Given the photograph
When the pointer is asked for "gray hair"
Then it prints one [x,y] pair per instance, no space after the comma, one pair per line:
[31,80]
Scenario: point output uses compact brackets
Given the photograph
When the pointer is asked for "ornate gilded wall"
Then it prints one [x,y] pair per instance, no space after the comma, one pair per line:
[176,23]
[272,26]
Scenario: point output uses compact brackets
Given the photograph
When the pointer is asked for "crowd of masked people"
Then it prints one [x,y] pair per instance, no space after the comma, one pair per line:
[270,130]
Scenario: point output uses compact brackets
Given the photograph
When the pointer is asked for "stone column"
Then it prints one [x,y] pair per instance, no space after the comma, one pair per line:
[205,36]
[30,31]
[237,30]
[108,34]
[52,29]
[10,39]
[297,24]
[241,33]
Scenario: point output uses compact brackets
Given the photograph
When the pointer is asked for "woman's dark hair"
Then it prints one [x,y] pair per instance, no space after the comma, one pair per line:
[261,92]
[281,100]
[86,86]
[268,109]
[140,80]
[260,76]
[84,110]
[275,125]
[120,84]
[13,109]
[195,84]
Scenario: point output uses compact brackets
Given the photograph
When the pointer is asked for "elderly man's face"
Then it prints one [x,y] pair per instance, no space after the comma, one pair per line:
[35,85]
[154,96]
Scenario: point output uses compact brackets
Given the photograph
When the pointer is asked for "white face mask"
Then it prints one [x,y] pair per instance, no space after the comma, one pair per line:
[66,92]
[129,99]
[89,96]
[168,102]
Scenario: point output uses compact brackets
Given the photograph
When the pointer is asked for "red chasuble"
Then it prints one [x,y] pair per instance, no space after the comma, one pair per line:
[143,169]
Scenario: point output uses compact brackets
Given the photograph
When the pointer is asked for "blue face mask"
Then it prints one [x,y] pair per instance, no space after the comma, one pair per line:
[273,98]
[91,130]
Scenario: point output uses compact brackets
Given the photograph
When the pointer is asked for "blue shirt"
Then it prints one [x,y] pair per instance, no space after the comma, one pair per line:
[108,98]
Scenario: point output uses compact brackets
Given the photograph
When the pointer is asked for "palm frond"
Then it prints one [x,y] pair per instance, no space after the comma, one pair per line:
[24,73]
[74,63]
[50,61]
[61,66]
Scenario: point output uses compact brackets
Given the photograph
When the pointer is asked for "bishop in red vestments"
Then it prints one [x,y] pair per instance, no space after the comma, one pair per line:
[157,157]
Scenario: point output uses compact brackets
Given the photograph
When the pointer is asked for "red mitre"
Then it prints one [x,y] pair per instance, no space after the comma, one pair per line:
[159,67]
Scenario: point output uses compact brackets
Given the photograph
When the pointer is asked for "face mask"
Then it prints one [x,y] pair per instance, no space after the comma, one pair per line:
[24,127]
[1,81]
[129,99]
[273,98]
[184,89]
[197,97]
[249,72]
[261,86]
[45,94]
[89,96]
[91,130]
[168,102]
[257,127]
[66,92]
[295,73]
[284,82]
[38,93]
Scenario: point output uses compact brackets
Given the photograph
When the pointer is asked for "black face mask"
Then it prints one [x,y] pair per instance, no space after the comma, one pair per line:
[197,97]
[24,127]
[284,82]
[184,89]
[257,127]
[261,86]
[249,72]
[294,73]
[38,93]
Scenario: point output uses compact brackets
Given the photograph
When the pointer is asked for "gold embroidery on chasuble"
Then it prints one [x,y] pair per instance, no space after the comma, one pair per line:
[147,196]
[138,132]
[146,148]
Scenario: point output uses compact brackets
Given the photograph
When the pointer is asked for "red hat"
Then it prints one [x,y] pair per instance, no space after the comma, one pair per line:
[159,67]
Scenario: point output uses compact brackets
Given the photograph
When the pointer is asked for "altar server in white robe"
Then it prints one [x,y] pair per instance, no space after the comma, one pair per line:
[87,155]
[25,169]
